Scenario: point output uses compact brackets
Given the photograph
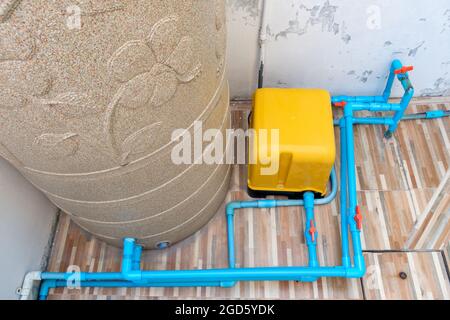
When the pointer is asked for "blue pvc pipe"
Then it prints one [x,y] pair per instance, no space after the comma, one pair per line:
[432,114]
[189,278]
[351,173]
[375,121]
[233,206]
[346,262]
[403,78]
[428,115]
[128,254]
[406,99]
[183,277]
[358,99]
[376,107]
[266,204]
[380,103]
[399,114]
[311,239]
[237,274]
[84,276]
[53,284]
[211,275]
[137,257]
[396,64]
[352,192]
[230,234]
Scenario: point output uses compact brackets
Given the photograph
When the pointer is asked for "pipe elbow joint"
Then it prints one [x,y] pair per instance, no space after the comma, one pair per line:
[359,270]
[44,290]
[396,64]
[231,207]
[348,111]
[356,272]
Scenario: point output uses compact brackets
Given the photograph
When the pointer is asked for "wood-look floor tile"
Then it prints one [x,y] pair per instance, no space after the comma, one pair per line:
[427,276]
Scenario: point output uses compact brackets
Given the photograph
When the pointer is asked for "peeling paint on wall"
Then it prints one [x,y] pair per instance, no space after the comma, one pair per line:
[330,44]
[318,15]
[413,52]
[446,24]
[441,88]
[362,77]
[346,37]
[250,8]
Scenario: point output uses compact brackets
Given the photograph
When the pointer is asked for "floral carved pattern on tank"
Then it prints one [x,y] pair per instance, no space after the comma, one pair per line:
[150,71]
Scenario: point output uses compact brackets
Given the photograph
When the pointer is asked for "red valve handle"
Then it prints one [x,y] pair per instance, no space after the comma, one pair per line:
[340,104]
[358,218]
[404,70]
[312,230]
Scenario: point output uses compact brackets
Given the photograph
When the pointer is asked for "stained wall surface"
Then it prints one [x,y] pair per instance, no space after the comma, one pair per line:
[344,46]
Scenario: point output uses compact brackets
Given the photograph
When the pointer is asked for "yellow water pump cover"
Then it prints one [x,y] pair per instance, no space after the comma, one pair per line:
[306,152]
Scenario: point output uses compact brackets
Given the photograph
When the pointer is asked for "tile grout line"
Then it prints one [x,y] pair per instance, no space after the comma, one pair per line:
[404,251]
[51,244]
[363,289]
[447,269]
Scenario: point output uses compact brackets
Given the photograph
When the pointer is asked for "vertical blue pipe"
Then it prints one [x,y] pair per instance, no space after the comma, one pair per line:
[352,192]
[137,257]
[128,255]
[351,173]
[409,93]
[230,211]
[230,233]
[311,239]
[399,114]
[388,90]
[346,262]
[396,64]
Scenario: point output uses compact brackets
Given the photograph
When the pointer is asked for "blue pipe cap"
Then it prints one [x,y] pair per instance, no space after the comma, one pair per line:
[163,245]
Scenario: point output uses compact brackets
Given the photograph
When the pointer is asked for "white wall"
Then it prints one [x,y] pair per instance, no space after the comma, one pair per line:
[345,46]
[27,218]
[243,46]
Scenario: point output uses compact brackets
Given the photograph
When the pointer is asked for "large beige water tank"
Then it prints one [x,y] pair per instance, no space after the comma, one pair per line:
[90,94]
